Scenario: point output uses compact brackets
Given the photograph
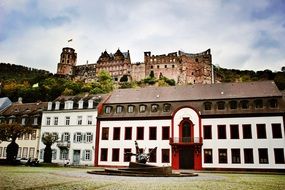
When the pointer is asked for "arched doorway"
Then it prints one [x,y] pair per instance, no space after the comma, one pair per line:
[186,152]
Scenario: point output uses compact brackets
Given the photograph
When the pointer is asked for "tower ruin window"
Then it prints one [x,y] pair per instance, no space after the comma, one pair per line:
[196,59]
[173,66]
[158,66]
[165,66]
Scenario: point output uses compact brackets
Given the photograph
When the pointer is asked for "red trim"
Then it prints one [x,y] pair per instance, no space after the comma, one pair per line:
[186,120]
[97,143]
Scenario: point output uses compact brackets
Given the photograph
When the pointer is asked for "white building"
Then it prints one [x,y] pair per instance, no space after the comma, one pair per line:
[73,120]
[209,126]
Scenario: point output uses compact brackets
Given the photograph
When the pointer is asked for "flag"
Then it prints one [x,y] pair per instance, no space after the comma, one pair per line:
[70,40]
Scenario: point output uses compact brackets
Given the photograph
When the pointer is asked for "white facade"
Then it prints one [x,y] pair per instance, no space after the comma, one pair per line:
[122,144]
[269,143]
[76,129]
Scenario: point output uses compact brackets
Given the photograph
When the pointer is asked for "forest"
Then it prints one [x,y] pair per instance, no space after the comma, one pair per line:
[38,85]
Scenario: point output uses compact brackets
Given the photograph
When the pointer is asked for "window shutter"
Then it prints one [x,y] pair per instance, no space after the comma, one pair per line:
[62,139]
[83,155]
[91,139]
[91,154]
[68,137]
[74,137]
[84,137]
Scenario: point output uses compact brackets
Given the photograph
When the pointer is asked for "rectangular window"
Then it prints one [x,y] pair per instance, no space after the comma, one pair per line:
[63,154]
[5,152]
[128,133]
[279,156]
[53,152]
[116,133]
[261,131]
[223,157]
[152,157]
[20,137]
[127,157]
[115,154]
[31,152]
[152,133]
[77,137]
[234,131]
[19,152]
[222,132]
[35,121]
[276,130]
[65,137]
[104,154]
[89,137]
[25,152]
[131,109]
[67,120]
[248,155]
[105,133]
[89,120]
[208,156]
[23,121]
[140,133]
[246,131]
[165,155]
[87,155]
[48,121]
[142,108]
[207,131]
[263,155]
[55,120]
[165,133]
[236,156]
[79,120]
[26,136]
[33,135]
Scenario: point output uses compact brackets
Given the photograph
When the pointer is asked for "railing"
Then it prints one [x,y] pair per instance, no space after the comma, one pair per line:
[186,140]
[63,144]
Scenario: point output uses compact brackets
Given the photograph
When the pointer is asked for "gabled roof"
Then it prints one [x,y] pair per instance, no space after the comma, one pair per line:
[196,92]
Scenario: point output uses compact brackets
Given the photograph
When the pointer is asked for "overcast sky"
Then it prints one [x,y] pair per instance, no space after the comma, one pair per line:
[242,34]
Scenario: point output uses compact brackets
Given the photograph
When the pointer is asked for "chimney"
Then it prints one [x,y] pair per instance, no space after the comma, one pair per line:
[20,100]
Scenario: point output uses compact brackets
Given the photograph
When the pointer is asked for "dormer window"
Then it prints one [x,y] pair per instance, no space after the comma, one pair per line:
[108,109]
[273,103]
[142,108]
[90,104]
[49,106]
[68,105]
[233,105]
[154,108]
[166,107]
[221,105]
[119,109]
[244,104]
[258,104]
[57,104]
[207,105]
[80,104]
[131,108]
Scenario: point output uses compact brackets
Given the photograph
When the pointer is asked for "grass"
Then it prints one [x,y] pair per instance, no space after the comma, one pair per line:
[21,177]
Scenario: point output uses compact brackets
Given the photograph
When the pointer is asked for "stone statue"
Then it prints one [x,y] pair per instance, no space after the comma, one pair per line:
[141,156]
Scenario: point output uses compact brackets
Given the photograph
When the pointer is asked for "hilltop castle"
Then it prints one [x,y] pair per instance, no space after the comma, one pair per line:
[184,68]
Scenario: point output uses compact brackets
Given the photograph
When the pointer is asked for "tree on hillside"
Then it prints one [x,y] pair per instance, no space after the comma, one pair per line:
[48,139]
[103,84]
[10,132]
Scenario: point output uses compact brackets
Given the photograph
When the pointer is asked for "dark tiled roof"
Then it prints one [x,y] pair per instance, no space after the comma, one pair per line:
[196,92]
[25,108]
[84,97]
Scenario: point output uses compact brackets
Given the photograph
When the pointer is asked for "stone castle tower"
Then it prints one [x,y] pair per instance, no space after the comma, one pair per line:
[67,61]
[184,68]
